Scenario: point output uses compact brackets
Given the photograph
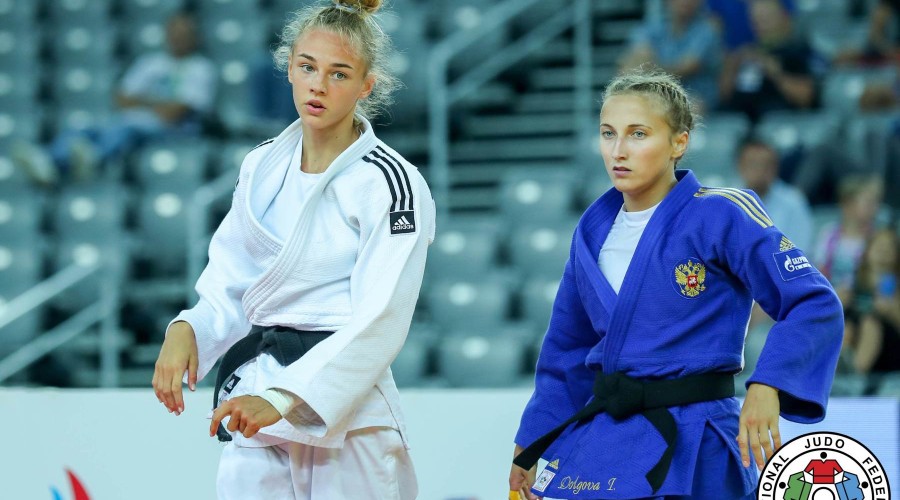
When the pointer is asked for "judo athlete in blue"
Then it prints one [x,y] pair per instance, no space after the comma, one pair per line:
[634,390]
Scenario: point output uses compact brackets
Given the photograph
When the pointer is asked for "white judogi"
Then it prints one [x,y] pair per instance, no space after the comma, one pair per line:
[352,263]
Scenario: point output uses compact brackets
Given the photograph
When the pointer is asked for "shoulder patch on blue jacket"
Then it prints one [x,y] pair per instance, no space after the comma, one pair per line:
[792,264]
[741,199]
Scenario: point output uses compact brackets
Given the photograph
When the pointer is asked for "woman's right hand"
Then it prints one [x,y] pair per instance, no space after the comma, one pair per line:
[521,480]
[178,354]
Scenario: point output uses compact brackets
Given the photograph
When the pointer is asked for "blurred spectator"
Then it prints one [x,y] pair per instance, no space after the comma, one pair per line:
[883,40]
[778,71]
[732,18]
[872,339]
[685,43]
[840,244]
[787,206]
[167,92]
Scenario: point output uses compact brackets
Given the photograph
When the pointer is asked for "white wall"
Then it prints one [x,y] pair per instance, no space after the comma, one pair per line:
[123,444]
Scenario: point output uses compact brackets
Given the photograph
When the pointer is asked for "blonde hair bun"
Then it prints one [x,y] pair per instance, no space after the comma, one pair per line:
[366,6]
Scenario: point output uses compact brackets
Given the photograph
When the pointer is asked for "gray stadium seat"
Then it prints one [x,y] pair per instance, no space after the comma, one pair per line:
[538,296]
[230,156]
[19,85]
[145,35]
[829,37]
[787,130]
[91,212]
[477,361]
[177,165]
[534,197]
[21,120]
[14,13]
[889,386]
[230,38]
[64,12]
[843,87]
[849,385]
[235,9]
[20,269]
[477,304]
[86,45]
[411,365]
[146,10]
[20,216]
[234,99]
[712,149]
[12,178]
[111,253]
[542,250]
[465,248]
[18,47]
[162,230]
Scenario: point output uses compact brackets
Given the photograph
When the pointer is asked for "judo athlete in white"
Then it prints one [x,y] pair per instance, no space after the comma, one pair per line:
[634,389]
[312,280]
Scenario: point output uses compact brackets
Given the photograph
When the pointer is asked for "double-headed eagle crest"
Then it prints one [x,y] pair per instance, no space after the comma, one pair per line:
[691,278]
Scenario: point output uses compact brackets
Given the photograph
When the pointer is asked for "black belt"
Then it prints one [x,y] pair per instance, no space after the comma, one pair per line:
[285,344]
[623,396]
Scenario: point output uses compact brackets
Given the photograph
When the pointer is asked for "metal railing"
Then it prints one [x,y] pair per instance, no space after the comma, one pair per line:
[443,94]
[104,311]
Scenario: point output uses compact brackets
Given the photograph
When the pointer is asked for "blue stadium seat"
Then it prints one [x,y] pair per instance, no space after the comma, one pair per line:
[478,361]
[411,365]
[179,165]
[230,38]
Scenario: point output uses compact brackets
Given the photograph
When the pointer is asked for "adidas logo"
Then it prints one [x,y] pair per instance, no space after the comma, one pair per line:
[402,223]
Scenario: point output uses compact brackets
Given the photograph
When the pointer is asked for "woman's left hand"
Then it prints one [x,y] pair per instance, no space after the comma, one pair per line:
[759,419]
[248,415]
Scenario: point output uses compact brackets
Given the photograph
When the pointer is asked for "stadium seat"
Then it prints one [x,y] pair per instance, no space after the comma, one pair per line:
[787,130]
[20,215]
[542,250]
[80,12]
[21,120]
[229,38]
[91,212]
[842,88]
[889,386]
[145,35]
[465,248]
[477,361]
[149,10]
[176,164]
[112,253]
[13,179]
[20,269]
[16,13]
[476,304]
[712,149]
[538,296]
[162,231]
[85,45]
[411,365]
[849,385]
[18,47]
[535,197]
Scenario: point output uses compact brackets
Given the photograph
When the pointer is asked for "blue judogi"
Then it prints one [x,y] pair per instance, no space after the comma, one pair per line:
[683,308]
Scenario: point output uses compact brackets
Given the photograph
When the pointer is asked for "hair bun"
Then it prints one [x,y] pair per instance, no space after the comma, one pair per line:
[362,6]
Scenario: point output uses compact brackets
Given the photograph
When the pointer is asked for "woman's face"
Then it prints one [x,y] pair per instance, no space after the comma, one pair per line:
[639,149]
[327,78]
